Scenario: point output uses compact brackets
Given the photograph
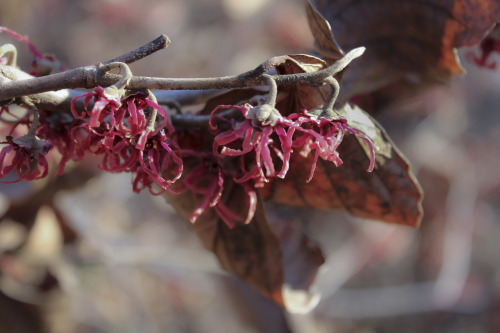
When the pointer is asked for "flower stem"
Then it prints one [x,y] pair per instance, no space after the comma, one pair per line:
[150,126]
[34,124]
[273,89]
[328,112]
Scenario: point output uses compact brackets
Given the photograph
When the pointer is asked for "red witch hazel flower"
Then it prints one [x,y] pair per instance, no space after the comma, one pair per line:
[160,163]
[253,134]
[25,156]
[206,180]
[106,102]
[271,137]
[324,137]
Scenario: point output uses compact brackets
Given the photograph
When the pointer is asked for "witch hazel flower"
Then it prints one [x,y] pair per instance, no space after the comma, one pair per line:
[206,181]
[153,156]
[324,136]
[141,147]
[160,163]
[24,155]
[254,135]
[106,101]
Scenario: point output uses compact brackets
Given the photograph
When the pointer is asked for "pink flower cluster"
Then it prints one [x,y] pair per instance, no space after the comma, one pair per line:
[124,132]
[21,156]
[25,156]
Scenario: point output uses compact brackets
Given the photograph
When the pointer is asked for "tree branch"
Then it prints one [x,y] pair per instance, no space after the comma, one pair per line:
[91,76]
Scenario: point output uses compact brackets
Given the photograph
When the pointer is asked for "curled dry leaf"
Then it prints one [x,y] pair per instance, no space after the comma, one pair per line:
[302,259]
[301,255]
[409,44]
[324,39]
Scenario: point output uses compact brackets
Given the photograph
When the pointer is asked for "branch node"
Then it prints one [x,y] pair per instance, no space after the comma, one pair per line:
[124,70]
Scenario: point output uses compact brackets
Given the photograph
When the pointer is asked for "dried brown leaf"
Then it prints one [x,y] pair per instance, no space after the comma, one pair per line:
[409,44]
[301,256]
[324,39]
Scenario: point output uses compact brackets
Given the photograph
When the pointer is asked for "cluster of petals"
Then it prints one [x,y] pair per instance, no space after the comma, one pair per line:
[324,137]
[259,133]
[206,181]
[26,156]
[117,128]
[252,135]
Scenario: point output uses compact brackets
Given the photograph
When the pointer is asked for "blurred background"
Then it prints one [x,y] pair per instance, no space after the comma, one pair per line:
[82,253]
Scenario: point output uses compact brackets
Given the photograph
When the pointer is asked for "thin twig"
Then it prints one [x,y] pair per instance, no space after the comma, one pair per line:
[83,77]
[158,44]
[59,100]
